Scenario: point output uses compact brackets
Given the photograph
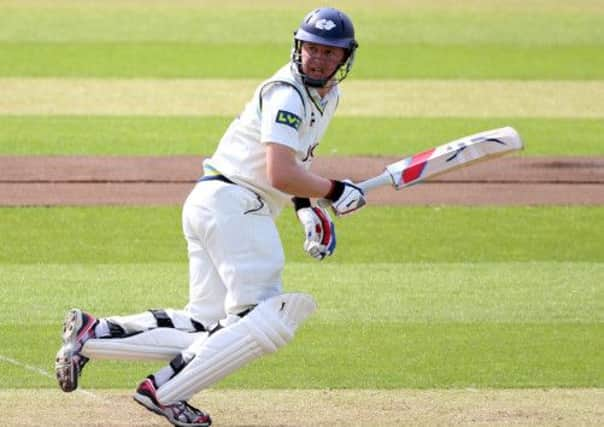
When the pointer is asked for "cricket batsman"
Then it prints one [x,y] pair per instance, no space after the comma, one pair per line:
[237,310]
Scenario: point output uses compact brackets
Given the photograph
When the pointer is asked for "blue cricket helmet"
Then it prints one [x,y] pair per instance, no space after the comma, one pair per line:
[329,27]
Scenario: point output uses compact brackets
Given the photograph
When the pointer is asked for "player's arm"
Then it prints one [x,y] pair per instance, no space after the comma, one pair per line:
[285,174]
[281,118]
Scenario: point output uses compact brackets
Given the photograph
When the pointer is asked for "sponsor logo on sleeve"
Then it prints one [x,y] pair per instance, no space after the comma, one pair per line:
[289,119]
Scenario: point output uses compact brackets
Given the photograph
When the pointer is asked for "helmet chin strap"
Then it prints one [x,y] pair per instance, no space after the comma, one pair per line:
[310,82]
[318,83]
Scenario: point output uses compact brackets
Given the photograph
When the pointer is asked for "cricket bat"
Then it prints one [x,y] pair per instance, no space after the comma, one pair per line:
[447,157]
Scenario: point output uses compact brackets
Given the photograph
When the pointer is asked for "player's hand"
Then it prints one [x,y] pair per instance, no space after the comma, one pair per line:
[319,231]
[346,197]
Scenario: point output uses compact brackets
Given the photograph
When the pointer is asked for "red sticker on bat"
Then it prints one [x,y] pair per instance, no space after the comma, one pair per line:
[417,166]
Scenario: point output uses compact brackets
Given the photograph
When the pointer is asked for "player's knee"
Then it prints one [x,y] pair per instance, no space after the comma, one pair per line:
[273,323]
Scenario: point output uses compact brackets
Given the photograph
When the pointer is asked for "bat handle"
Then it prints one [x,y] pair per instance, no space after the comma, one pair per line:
[377,181]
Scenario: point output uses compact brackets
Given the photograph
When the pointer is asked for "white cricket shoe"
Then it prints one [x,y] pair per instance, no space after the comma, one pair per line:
[77,328]
[180,414]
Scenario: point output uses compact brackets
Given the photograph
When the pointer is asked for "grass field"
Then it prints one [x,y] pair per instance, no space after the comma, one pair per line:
[136,135]
[501,301]
[527,303]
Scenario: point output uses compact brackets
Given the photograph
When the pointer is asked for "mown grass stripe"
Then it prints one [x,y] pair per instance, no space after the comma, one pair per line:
[254,60]
[532,6]
[466,23]
[406,292]
[132,135]
[420,325]
[383,355]
[379,98]
[438,235]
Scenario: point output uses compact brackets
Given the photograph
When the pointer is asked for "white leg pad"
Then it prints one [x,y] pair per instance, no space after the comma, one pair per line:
[268,327]
[155,344]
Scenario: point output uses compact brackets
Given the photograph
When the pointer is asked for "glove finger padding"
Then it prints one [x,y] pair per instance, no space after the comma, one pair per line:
[328,240]
[319,231]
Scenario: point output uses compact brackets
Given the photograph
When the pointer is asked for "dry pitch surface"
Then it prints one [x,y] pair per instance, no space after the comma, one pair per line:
[249,408]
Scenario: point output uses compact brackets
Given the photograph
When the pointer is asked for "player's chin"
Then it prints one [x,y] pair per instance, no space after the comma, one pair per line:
[318,74]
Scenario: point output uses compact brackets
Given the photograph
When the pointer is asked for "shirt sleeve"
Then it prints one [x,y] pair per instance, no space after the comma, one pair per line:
[281,116]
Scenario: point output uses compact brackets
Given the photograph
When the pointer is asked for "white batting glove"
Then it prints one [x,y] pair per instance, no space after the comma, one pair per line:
[319,231]
[345,197]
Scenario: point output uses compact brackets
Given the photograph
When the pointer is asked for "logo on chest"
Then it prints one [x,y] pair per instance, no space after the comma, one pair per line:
[288,119]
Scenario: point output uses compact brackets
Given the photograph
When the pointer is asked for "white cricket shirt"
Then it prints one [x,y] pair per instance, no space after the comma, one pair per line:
[282,111]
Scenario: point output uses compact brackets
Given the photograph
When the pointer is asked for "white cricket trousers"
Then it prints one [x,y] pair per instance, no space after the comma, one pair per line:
[235,254]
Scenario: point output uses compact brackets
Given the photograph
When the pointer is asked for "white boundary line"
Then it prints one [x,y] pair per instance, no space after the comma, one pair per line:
[41,372]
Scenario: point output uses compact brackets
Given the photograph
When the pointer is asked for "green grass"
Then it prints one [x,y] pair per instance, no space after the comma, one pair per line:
[384,356]
[395,25]
[94,135]
[393,136]
[213,60]
[460,297]
[415,297]
[528,292]
[412,41]
[437,325]
[99,235]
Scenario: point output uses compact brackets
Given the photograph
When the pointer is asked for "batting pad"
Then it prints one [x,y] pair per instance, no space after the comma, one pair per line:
[155,344]
[265,329]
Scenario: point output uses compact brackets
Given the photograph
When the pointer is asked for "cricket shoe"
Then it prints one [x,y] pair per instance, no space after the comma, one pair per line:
[179,414]
[78,327]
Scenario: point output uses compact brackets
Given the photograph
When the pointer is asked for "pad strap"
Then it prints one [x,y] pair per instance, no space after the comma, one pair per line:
[163,320]
[116,330]
[177,364]
[198,326]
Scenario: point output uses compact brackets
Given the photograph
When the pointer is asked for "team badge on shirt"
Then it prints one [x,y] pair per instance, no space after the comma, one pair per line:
[289,119]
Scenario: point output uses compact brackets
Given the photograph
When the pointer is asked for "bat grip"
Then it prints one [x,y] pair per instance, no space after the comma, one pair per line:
[377,181]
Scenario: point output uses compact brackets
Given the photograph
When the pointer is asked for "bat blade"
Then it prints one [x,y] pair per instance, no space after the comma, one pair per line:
[447,157]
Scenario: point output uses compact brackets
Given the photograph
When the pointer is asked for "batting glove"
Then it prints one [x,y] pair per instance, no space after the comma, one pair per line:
[345,197]
[319,229]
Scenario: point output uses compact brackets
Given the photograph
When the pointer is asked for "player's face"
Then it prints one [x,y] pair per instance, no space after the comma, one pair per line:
[320,61]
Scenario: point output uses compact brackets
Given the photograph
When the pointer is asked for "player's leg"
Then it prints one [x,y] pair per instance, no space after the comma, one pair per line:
[157,334]
[206,303]
[206,290]
[269,326]
[163,334]
[248,255]
[152,335]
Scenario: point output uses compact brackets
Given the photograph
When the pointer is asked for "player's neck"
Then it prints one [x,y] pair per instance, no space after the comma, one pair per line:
[322,91]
